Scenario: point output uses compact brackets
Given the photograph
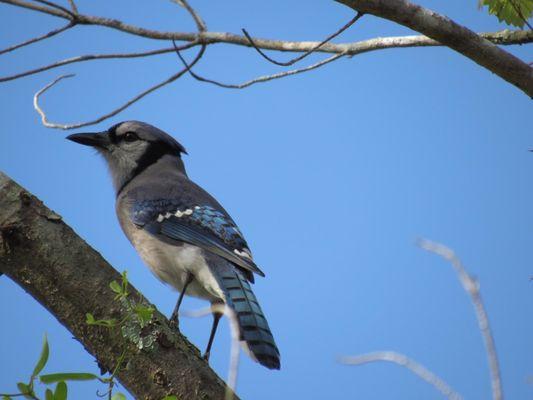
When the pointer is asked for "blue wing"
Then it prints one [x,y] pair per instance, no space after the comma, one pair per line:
[200,225]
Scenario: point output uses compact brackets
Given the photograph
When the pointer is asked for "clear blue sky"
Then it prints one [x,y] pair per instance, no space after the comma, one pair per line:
[331,175]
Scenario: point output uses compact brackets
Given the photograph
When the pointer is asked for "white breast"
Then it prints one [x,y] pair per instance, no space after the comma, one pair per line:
[171,264]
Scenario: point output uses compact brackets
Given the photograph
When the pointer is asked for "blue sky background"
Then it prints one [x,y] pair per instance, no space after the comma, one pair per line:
[331,175]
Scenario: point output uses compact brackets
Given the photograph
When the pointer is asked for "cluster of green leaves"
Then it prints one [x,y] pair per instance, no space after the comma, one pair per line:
[138,316]
[512,12]
[27,390]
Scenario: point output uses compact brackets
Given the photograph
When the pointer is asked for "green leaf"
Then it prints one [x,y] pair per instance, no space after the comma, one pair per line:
[170,398]
[108,323]
[118,396]
[67,376]
[6,397]
[125,282]
[512,12]
[43,358]
[61,391]
[115,287]
[89,319]
[144,313]
[49,395]
[26,390]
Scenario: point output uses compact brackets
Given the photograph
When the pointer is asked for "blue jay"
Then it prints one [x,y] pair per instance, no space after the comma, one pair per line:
[184,235]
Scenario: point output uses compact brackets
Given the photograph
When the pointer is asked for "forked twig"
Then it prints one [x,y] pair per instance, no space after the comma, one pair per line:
[308,52]
[144,93]
[404,361]
[235,348]
[58,7]
[264,78]
[471,286]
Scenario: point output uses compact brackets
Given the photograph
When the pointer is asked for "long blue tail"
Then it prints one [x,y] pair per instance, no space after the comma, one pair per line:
[253,325]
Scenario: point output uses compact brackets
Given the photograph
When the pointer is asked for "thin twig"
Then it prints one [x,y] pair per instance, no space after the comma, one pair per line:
[58,7]
[151,89]
[308,52]
[404,361]
[471,286]
[38,38]
[73,6]
[235,349]
[200,24]
[90,57]
[264,78]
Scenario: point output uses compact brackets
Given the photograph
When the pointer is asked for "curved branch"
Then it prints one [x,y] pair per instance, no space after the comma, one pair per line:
[404,361]
[38,38]
[264,78]
[453,35]
[471,287]
[91,57]
[308,52]
[48,124]
[44,256]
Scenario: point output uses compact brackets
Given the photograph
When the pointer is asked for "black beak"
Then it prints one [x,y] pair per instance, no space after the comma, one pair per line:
[99,140]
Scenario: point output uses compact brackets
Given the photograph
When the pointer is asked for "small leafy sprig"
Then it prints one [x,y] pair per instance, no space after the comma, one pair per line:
[27,390]
[138,317]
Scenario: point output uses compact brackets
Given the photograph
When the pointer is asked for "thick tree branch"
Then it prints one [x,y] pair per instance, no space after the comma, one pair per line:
[39,252]
[453,35]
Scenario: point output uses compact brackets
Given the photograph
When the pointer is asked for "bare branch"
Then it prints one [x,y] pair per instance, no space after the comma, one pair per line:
[144,93]
[501,37]
[90,57]
[471,286]
[301,57]
[350,49]
[404,361]
[264,78]
[235,348]
[38,38]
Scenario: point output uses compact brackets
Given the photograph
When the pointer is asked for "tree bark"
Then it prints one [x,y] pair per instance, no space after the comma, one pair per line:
[453,35]
[43,255]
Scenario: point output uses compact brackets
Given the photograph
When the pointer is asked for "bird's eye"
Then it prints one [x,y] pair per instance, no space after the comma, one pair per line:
[130,137]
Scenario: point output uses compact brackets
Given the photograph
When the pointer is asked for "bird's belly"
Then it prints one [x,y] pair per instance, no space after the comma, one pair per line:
[171,264]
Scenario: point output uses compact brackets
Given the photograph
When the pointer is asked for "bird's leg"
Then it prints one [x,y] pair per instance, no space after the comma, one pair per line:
[216,319]
[174,317]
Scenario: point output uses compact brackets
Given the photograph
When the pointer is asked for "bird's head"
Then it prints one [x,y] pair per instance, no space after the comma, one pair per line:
[130,147]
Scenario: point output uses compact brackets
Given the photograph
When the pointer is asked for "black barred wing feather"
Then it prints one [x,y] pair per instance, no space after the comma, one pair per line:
[200,225]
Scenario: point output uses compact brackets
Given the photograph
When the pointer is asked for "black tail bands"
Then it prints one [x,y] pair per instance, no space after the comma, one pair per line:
[253,326]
